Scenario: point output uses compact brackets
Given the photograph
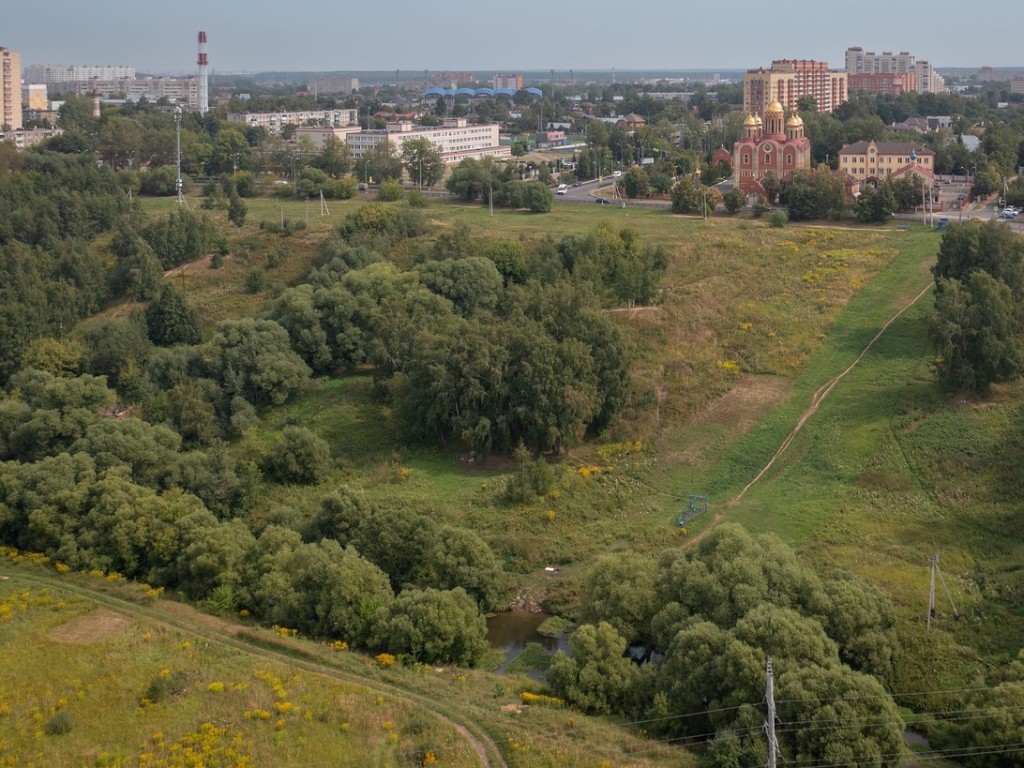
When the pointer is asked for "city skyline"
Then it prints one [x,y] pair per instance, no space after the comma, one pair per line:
[458,35]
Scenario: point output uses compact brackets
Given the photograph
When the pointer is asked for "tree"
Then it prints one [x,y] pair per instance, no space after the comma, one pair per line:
[734,200]
[433,627]
[236,209]
[597,677]
[460,558]
[537,197]
[685,196]
[621,591]
[381,163]
[876,205]
[334,159]
[636,182]
[172,320]
[975,330]
[300,456]
[252,358]
[806,103]
[423,162]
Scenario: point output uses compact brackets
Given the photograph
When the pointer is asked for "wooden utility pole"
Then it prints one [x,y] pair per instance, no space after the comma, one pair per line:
[769,723]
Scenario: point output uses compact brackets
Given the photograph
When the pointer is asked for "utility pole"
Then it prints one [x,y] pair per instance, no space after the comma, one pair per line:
[931,592]
[177,127]
[769,723]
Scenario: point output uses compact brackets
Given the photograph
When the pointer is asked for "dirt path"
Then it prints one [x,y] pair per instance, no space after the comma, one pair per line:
[816,400]
[184,618]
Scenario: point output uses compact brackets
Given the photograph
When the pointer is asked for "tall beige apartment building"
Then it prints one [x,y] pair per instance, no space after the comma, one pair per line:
[789,79]
[859,61]
[10,90]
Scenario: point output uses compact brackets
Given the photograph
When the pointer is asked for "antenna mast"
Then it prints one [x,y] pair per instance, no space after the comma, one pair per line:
[931,592]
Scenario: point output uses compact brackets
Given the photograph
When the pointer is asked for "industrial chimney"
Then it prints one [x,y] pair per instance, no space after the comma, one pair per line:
[96,98]
[204,91]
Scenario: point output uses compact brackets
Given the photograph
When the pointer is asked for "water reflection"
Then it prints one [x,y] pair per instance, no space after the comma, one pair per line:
[511,631]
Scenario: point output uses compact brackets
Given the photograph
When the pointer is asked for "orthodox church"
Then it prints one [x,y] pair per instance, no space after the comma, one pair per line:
[774,145]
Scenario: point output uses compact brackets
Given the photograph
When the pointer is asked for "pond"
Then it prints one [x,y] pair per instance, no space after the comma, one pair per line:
[512,631]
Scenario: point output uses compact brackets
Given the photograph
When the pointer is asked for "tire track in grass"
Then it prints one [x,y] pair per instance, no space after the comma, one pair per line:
[241,640]
[816,400]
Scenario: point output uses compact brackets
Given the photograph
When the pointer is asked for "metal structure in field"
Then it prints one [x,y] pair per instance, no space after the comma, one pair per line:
[697,505]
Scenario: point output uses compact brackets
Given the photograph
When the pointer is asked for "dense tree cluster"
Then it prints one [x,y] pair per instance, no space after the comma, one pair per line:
[466,348]
[979,287]
[709,618]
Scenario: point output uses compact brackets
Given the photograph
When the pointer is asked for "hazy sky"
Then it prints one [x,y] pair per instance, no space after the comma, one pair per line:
[323,35]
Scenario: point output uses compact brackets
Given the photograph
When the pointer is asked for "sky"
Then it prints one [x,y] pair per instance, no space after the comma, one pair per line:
[413,35]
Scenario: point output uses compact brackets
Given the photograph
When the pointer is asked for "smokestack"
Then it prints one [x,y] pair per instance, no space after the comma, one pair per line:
[96,98]
[204,90]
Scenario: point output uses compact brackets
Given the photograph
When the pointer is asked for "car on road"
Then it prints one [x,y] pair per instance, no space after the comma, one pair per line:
[603,201]
[563,189]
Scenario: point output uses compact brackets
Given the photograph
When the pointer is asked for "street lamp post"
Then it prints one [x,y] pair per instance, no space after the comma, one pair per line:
[703,198]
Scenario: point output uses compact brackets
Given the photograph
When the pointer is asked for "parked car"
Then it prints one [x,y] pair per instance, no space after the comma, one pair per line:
[603,201]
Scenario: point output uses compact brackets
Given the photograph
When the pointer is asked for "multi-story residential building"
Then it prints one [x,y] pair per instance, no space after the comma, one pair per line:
[10,90]
[789,79]
[772,145]
[1017,85]
[23,139]
[275,121]
[456,139]
[874,161]
[64,73]
[508,81]
[860,62]
[326,86]
[891,84]
[180,90]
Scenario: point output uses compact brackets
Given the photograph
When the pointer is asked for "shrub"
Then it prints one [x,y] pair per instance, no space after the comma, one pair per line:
[390,191]
[59,724]
[165,685]
[256,281]
[777,219]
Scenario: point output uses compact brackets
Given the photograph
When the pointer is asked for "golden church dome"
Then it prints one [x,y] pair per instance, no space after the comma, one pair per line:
[750,122]
[795,122]
[773,107]
[758,120]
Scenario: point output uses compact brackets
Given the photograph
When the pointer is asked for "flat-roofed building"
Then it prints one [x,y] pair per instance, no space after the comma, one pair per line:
[859,61]
[508,81]
[23,139]
[455,139]
[325,86]
[319,134]
[891,84]
[64,73]
[789,79]
[33,96]
[273,122]
[10,89]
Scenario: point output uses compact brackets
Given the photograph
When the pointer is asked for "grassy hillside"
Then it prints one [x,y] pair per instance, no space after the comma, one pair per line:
[753,324]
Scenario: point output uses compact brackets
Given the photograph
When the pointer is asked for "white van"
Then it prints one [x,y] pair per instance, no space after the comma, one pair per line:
[563,189]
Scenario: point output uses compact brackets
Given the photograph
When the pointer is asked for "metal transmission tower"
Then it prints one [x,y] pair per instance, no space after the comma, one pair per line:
[769,722]
[931,592]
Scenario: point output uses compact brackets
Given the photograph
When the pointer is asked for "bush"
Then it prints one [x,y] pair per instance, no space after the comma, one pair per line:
[390,191]
[300,457]
[59,724]
[777,219]
[761,207]
[256,281]
[417,199]
[165,685]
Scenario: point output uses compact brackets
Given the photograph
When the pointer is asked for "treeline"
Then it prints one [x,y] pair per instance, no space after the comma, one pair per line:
[97,491]
[708,619]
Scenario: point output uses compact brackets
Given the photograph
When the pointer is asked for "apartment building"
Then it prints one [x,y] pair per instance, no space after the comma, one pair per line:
[319,134]
[275,121]
[10,90]
[890,84]
[508,81]
[327,86]
[456,139]
[65,73]
[877,160]
[789,79]
[859,62]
